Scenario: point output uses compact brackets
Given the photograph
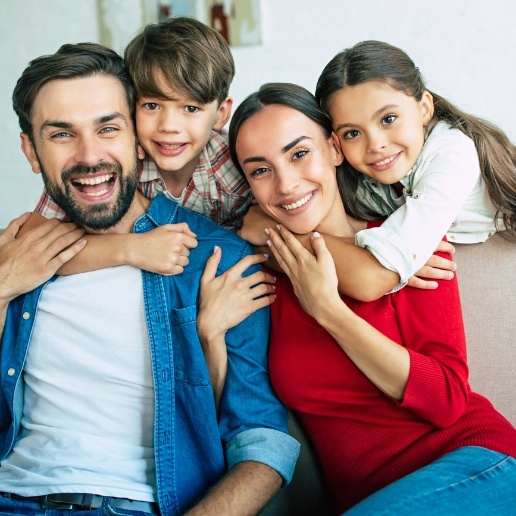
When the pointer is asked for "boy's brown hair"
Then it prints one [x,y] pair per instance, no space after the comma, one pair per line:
[192,58]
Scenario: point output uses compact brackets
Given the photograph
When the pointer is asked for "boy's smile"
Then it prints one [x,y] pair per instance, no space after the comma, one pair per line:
[174,130]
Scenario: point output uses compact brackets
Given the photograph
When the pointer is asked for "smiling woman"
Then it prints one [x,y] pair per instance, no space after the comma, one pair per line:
[349,369]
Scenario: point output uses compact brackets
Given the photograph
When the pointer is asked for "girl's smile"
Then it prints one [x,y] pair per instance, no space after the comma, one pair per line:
[380,129]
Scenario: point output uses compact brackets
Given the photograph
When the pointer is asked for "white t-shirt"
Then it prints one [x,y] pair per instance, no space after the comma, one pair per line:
[88,412]
[444,194]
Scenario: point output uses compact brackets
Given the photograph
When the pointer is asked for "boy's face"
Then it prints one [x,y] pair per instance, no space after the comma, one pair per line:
[174,131]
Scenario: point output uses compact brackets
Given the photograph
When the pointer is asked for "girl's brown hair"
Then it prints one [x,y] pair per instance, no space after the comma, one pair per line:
[379,61]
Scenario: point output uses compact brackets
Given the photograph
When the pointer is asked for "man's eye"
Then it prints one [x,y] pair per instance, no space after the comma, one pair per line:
[388,119]
[349,135]
[60,135]
[191,109]
[108,130]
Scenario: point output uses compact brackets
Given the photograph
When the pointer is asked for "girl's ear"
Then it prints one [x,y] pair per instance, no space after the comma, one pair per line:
[338,156]
[426,105]
[30,153]
[223,113]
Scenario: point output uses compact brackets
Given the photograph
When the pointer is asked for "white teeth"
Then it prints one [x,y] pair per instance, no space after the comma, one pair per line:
[97,194]
[385,161]
[171,146]
[297,204]
[93,180]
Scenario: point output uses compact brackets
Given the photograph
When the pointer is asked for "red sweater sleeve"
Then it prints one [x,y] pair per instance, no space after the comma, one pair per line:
[433,332]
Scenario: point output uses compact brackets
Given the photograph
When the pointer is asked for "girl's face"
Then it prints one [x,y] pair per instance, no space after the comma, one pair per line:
[290,166]
[380,129]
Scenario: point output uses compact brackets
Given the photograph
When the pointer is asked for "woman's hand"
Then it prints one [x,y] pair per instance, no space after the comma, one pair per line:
[255,224]
[225,301]
[436,267]
[314,278]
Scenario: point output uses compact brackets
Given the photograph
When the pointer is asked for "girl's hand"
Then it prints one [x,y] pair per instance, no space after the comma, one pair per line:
[314,278]
[163,250]
[255,224]
[436,267]
[225,301]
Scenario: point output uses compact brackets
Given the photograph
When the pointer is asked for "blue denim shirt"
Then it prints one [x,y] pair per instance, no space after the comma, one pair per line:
[193,449]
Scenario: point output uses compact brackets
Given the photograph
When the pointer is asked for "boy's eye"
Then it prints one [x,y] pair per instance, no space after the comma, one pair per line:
[191,109]
[151,106]
[349,135]
[388,119]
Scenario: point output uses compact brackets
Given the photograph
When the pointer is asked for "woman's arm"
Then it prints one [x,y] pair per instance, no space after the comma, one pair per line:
[163,250]
[224,302]
[428,373]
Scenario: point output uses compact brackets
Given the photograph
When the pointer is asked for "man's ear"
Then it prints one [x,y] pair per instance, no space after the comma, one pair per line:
[338,156]
[426,104]
[30,153]
[223,113]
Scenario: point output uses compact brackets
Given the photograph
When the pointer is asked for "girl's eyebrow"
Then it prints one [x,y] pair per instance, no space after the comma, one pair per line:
[376,114]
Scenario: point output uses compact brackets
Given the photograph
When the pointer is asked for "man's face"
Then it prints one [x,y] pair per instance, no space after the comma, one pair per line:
[85,148]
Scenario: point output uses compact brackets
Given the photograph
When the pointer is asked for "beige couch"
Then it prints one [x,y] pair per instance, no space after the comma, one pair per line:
[487,282]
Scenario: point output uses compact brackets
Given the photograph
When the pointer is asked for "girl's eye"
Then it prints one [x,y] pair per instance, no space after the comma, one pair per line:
[191,109]
[349,135]
[299,154]
[151,106]
[388,119]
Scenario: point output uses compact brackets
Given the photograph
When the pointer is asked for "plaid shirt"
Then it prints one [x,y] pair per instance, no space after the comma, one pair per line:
[216,188]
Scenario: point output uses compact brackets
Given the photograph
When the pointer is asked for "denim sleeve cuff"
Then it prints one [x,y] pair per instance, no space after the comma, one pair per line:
[272,447]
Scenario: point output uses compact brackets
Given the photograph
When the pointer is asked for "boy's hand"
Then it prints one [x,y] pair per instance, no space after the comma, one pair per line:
[436,267]
[255,224]
[164,250]
[29,260]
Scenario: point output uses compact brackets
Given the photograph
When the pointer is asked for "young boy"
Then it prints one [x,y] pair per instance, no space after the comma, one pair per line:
[182,70]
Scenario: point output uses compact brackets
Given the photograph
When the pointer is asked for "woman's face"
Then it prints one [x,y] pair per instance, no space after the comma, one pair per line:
[290,166]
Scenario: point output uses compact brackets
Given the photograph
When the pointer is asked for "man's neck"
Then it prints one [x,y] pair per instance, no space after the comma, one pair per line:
[137,208]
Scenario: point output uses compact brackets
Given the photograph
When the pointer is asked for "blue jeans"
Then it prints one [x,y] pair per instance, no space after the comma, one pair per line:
[470,481]
[29,508]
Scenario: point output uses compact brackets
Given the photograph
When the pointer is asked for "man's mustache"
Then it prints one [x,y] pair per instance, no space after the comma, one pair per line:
[81,170]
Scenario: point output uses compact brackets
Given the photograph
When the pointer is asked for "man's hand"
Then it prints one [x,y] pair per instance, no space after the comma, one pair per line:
[28,261]
[435,268]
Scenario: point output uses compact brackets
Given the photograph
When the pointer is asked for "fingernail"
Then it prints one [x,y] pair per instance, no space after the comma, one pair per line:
[315,234]
[215,249]
[267,232]
[269,243]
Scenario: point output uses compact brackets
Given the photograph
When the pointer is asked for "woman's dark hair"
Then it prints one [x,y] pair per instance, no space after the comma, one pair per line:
[276,93]
[69,62]
[379,61]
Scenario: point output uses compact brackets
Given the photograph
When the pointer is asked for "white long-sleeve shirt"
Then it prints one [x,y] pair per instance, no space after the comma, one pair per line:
[444,193]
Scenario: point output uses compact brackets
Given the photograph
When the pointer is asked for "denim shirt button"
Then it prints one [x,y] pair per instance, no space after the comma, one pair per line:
[11,371]
[26,315]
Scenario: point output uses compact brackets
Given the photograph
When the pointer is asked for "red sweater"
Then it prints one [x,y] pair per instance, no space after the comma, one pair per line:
[364,439]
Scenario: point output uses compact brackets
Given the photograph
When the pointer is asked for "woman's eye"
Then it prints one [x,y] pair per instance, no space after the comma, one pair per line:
[258,171]
[299,154]
[191,109]
[388,119]
[349,135]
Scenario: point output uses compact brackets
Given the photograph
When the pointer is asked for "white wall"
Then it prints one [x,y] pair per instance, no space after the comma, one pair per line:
[466,49]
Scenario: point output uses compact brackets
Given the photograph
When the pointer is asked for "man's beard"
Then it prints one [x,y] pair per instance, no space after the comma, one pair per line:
[97,216]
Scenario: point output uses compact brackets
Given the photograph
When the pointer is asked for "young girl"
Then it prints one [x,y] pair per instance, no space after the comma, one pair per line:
[415,158]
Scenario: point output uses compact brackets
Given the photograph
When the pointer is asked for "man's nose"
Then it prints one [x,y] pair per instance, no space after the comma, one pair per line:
[90,151]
